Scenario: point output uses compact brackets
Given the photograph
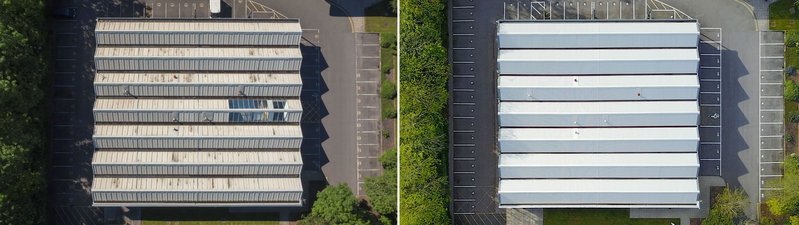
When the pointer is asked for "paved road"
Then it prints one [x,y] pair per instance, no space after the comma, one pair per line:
[473,109]
[70,173]
[337,46]
[740,88]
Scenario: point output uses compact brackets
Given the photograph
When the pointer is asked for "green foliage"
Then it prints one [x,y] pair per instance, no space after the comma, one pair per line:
[787,202]
[793,220]
[388,89]
[388,40]
[23,70]
[424,74]
[335,205]
[793,116]
[382,192]
[727,208]
[599,217]
[789,138]
[388,109]
[389,159]
[791,90]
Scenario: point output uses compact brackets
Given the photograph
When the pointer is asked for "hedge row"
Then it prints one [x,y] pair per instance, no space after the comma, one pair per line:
[424,192]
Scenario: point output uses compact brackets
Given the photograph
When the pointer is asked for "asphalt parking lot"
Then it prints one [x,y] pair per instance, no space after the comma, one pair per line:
[367,101]
[473,151]
[328,90]
[70,173]
[772,51]
[710,126]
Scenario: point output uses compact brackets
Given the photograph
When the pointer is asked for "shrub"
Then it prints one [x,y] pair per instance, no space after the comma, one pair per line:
[388,90]
[790,70]
[789,138]
[388,41]
[793,117]
[388,109]
[727,208]
[791,91]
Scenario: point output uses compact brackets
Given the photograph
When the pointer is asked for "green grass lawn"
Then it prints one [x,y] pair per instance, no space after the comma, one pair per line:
[598,217]
[204,216]
[780,17]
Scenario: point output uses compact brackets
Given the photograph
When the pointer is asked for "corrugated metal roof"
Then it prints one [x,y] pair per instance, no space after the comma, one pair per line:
[197,131]
[599,134]
[598,28]
[194,52]
[632,107]
[595,55]
[130,104]
[198,78]
[205,26]
[615,160]
[141,184]
[197,157]
[599,81]
[599,186]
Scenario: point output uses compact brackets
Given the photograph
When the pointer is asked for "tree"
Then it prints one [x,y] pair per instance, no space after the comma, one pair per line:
[728,208]
[787,201]
[382,190]
[335,205]
[791,90]
[23,69]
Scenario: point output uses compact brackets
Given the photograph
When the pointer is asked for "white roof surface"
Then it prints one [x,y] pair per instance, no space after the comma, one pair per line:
[599,134]
[198,78]
[196,157]
[598,114]
[193,52]
[210,26]
[197,131]
[594,55]
[612,160]
[631,107]
[598,81]
[204,105]
[594,28]
[599,186]
[196,184]
[593,114]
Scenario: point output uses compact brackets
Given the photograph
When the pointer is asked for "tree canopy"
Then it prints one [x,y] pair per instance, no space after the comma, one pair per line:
[23,70]
[787,202]
[424,188]
[382,190]
[335,205]
[728,207]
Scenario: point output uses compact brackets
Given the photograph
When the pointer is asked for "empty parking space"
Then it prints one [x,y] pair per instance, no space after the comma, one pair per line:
[589,10]
[771,128]
[368,126]
[710,94]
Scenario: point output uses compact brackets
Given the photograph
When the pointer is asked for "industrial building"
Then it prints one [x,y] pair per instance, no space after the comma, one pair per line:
[198,113]
[598,114]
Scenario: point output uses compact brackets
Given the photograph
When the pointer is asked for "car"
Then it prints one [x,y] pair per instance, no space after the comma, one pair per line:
[65,12]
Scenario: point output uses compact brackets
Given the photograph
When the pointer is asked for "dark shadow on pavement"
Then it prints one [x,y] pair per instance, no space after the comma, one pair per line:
[314,110]
[733,119]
